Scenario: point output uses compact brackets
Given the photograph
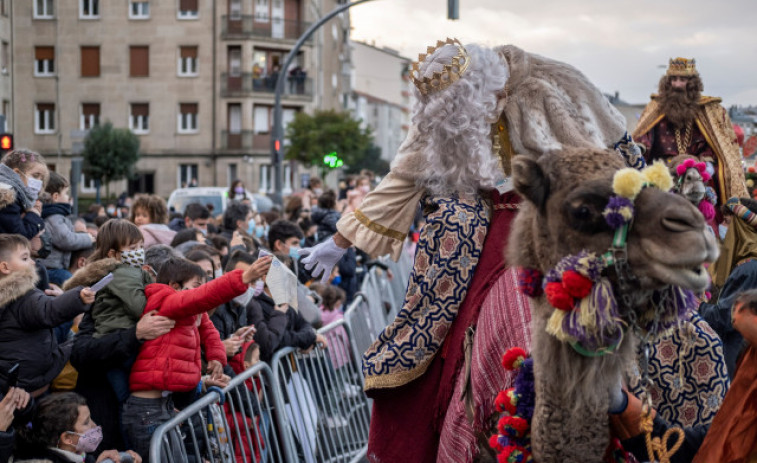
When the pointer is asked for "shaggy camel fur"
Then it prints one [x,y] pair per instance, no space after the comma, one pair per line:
[565,195]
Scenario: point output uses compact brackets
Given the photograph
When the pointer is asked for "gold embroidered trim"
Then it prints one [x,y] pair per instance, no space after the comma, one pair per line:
[380,229]
[506,207]
[400,378]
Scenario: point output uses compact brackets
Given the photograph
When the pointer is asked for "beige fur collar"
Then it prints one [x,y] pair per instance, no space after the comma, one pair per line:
[15,285]
[7,195]
[89,275]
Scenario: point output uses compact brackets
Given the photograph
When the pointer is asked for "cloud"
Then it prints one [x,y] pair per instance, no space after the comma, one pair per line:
[619,44]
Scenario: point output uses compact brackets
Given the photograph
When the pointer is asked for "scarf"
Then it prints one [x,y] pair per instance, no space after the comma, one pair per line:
[9,176]
[63,209]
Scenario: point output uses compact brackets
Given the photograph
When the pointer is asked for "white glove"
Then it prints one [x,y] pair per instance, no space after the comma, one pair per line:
[322,258]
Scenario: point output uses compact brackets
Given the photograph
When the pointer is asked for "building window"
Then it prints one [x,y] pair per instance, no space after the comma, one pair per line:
[139,10]
[235,10]
[188,9]
[87,184]
[262,11]
[4,58]
[3,8]
[235,61]
[89,9]
[260,119]
[266,183]
[139,120]
[188,61]
[90,115]
[187,118]
[187,176]
[90,61]
[44,118]
[44,61]
[43,9]
[232,174]
[139,61]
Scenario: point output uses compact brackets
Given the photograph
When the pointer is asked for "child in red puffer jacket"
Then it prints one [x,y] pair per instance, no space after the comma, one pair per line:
[171,363]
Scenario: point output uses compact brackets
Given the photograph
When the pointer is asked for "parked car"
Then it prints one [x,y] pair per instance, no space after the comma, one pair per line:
[217,196]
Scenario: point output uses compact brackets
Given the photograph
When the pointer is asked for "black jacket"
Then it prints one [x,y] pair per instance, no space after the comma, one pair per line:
[27,319]
[13,217]
[7,441]
[229,317]
[92,358]
[326,220]
[276,330]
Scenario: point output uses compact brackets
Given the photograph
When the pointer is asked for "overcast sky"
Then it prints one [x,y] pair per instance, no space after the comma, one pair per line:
[618,44]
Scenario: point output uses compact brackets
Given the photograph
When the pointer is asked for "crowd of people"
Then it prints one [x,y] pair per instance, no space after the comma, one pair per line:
[114,320]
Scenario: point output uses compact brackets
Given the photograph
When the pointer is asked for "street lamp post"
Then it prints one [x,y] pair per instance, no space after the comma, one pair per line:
[277,129]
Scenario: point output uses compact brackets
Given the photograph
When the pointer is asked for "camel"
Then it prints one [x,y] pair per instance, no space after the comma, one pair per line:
[565,195]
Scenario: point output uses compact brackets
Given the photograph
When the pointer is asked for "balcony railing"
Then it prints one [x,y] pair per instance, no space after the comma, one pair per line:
[245,140]
[248,27]
[244,84]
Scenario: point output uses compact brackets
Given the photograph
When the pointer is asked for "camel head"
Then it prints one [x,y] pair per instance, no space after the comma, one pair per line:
[690,175]
[567,193]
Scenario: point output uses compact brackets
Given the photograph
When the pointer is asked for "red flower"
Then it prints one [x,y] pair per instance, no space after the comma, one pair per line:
[512,426]
[558,297]
[494,443]
[506,401]
[513,454]
[576,284]
[513,358]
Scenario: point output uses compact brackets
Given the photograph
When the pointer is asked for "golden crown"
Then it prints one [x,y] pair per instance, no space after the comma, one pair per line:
[682,67]
[442,79]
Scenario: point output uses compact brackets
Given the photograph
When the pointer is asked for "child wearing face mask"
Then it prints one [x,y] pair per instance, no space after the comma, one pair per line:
[62,431]
[119,305]
[23,174]
[28,319]
[172,362]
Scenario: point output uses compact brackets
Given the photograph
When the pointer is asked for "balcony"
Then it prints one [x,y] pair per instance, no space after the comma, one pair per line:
[244,84]
[246,140]
[249,27]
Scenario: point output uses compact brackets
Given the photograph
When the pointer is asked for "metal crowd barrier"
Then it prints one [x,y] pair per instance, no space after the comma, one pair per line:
[327,415]
[306,406]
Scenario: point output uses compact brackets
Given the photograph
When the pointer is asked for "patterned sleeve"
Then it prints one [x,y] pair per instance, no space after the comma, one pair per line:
[381,223]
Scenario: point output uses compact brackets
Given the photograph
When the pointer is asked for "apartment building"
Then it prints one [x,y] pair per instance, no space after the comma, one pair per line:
[192,78]
[381,94]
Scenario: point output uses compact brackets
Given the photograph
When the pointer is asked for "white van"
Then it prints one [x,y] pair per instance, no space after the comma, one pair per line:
[217,196]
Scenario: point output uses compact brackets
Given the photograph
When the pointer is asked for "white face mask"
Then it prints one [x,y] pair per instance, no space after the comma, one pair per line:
[258,288]
[244,299]
[33,186]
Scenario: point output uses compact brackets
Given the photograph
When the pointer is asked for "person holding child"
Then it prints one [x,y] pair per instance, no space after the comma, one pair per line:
[171,363]
[23,174]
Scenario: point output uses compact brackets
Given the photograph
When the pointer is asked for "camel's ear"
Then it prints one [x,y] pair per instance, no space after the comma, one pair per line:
[530,180]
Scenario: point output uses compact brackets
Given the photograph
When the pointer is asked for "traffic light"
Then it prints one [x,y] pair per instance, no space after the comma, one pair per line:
[6,142]
[453,9]
[332,160]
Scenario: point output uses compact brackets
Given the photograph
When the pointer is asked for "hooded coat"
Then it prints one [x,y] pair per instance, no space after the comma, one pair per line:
[27,319]
[13,216]
[172,362]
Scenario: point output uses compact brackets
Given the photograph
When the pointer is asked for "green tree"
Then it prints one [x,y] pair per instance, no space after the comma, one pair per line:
[312,137]
[110,155]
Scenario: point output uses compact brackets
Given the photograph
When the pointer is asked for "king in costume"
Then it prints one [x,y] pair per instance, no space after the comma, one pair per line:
[433,371]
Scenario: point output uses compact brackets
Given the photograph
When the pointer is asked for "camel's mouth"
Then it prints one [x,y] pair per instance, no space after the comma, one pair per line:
[693,278]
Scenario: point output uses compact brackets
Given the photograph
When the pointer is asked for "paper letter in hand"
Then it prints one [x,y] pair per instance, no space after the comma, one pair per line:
[282,283]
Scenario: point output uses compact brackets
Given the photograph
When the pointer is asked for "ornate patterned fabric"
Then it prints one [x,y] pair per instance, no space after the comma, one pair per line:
[689,373]
[447,254]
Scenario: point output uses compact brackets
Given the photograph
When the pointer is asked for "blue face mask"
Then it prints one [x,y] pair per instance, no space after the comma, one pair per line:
[337,279]
[302,243]
[259,231]
[294,252]
[251,227]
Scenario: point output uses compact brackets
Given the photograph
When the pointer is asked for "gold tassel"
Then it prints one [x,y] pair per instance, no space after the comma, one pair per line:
[554,325]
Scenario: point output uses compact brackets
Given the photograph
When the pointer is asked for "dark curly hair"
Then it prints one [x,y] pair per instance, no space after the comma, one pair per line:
[56,414]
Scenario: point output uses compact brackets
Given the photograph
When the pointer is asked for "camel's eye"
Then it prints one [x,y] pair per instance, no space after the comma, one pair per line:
[585,213]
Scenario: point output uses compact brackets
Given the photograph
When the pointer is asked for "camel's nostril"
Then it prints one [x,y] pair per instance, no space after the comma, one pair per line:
[679,224]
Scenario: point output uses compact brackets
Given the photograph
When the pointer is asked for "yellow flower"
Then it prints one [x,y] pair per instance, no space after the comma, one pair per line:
[628,182]
[658,175]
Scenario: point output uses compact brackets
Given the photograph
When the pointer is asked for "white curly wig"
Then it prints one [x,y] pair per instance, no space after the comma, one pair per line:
[453,126]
